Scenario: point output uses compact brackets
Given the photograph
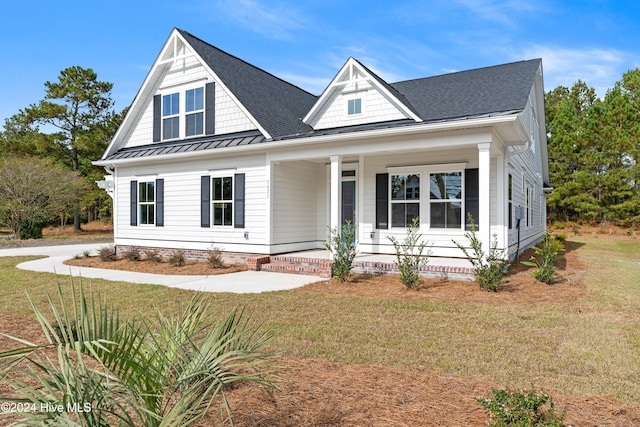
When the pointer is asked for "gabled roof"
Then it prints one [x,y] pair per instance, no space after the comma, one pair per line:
[278,107]
[480,92]
[276,104]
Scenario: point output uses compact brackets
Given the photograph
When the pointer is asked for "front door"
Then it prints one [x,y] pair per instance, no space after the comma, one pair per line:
[349,202]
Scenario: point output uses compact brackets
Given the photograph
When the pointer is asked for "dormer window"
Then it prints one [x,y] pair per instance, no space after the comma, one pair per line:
[354,106]
[171,116]
[195,111]
[184,113]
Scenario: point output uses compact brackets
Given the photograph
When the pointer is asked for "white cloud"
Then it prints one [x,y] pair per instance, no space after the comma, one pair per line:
[273,21]
[505,12]
[598,68]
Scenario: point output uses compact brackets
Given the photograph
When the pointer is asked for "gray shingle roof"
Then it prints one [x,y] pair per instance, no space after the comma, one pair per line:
[479,92]
[279,106]
[276,104]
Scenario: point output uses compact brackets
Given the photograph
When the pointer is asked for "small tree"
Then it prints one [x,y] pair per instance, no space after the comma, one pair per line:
[33,192]
[489,269]
[547,257]
[410,255]
[342,246]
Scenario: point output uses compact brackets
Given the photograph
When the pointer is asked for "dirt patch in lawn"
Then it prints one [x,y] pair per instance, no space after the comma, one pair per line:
[190,268]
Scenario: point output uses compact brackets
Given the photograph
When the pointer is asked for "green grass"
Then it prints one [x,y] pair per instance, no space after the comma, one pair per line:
[590,346]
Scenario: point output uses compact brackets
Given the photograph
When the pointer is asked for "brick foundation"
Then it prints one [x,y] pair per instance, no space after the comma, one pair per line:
[301,265]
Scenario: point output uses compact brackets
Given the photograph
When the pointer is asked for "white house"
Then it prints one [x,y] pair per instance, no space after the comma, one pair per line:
[215,151]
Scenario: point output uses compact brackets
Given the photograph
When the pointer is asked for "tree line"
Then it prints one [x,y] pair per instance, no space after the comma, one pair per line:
[46,149]
[594,150]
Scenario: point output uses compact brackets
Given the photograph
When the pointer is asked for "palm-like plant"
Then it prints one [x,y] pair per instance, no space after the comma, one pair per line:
[98,369]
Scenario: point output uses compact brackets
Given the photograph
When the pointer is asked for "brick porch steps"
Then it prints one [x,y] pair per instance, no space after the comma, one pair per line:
[298,265]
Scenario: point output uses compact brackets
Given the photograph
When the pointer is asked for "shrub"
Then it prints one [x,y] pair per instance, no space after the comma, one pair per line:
[177,258]
[214,257]
[547,258]
[152,255]
[343,250]
[410,256]
[134,254]
[159,370]
[107,253]
[561,237]
[522,409]
[86,254]
[489,269]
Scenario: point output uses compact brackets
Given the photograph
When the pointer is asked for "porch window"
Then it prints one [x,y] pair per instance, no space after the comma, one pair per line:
[146,203]
[222,200]
[445,200]
[405,199]
[171,116]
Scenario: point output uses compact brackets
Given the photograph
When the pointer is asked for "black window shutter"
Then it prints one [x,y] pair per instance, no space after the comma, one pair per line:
[160,202]
[210,109]
[471,197]
[157,118]
[134,203]
[205,201]
[238,200]
[382,201]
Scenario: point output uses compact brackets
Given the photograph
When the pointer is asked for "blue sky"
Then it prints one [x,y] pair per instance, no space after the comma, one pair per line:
[306,42]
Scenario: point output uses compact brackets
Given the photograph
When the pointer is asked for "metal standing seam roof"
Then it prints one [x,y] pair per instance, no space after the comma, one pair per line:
[206,143]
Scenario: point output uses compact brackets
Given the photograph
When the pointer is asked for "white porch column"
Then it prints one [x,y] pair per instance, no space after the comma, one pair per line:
[336,172]
[484,195]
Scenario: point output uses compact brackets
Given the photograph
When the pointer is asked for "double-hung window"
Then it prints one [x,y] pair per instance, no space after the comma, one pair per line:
[146,203]
[171,116]
[194,109]
[445,200]
[222,200]
[405,199]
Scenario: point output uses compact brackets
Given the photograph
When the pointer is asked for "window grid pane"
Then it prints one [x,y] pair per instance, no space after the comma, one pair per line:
[195,124]
[171,128]
[445,200]
[171,104]
[194,99]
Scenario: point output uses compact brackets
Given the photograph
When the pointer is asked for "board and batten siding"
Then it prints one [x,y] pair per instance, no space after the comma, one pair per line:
[297,194]
[182,229]
[229,117]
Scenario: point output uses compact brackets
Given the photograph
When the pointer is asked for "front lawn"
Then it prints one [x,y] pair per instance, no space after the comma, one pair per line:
[361,358]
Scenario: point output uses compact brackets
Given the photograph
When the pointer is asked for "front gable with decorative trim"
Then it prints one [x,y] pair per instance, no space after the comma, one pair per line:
[215,151]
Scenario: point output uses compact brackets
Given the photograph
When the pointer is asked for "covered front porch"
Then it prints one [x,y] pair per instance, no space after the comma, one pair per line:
[381,188]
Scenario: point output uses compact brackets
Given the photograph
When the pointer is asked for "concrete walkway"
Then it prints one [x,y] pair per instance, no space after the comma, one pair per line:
[240,282]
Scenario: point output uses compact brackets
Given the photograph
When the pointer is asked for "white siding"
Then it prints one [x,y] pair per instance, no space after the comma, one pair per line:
[525,168]
[375,108]
[182,207]
[229,117]
[297,203]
